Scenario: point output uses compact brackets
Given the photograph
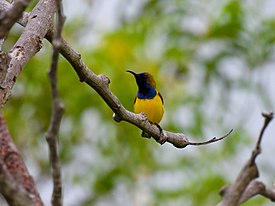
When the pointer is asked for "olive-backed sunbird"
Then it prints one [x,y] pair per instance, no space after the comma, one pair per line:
[148,99]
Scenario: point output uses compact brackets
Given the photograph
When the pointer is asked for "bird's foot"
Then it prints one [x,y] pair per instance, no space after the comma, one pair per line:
[145,134]
[160,129]
[162,139]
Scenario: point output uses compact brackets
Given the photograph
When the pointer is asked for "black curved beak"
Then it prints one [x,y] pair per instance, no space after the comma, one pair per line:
[137,77]
[133,73]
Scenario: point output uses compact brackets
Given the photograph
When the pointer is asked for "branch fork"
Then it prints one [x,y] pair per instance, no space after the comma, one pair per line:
[246,186]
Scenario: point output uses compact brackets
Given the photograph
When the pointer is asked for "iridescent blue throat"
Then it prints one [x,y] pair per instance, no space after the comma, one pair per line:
[147,93]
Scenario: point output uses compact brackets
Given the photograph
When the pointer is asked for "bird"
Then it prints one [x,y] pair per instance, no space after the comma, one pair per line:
[148,99]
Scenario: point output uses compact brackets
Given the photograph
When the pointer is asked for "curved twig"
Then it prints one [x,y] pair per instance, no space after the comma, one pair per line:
[214,139]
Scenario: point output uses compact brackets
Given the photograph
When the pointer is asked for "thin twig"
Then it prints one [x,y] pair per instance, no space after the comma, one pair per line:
[257,150]
[268,117]
[214,139]
[57,112]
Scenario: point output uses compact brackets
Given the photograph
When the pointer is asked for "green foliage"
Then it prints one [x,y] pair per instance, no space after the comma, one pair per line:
[257,201]
[229,23]
[198,86]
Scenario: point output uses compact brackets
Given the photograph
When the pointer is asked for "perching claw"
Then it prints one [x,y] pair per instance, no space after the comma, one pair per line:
[160,129]
[161,140]
[145,134]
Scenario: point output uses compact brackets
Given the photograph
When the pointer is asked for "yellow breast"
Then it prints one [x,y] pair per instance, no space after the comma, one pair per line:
[153,108]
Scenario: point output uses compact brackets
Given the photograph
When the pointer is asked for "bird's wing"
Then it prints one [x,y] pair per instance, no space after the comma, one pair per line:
[160,97]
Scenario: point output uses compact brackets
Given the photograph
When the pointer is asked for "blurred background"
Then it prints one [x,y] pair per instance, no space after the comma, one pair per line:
[214,65]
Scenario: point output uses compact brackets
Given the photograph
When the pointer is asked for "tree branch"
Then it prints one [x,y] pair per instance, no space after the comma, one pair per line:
[16,184]
[269,193]
[257,187]
[244,186]
[214,139]
[6,6]
[9,17]
[29,43]
[14,193]
[57,112]
[100,84]
[4,62]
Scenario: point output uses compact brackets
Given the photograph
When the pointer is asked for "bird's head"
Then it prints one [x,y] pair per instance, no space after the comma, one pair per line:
[143,79]
[146,83]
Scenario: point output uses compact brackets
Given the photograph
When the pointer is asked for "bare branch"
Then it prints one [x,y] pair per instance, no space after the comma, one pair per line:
[14,193]
[4,62]
[8,18]
[16,184]
[269,193]
[6,6]
[257,150]
[29,43]
[57,112]
[239,191]
[214,139]
[257,187]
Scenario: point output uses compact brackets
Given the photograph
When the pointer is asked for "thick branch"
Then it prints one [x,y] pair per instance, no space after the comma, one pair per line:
[239,191]
[13,192]
[100,84]
[29,43]
[57,112]
[9,17]
[16,184]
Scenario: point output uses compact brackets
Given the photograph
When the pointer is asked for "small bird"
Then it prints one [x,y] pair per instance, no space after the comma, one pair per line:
[148,99]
